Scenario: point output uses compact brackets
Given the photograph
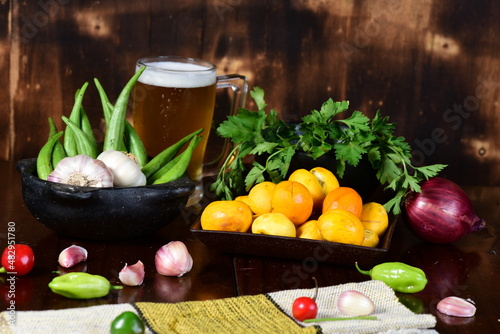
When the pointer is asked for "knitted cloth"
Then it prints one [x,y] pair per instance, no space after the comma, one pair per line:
[265,313]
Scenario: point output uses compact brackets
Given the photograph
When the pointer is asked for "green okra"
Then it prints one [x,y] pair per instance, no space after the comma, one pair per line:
[85,125]
[85,145]
[164,157]
[135,145]
[44,160]
[69,136]
[107,107]
[116,124]
[180,166]
[58,152]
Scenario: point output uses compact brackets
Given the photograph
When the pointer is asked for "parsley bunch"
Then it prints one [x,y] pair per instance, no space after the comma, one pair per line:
[259,133]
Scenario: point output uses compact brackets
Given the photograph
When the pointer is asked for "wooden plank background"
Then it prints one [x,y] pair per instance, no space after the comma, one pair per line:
[433,66]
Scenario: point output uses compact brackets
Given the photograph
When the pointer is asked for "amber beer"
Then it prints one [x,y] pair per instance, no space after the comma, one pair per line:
[172,98]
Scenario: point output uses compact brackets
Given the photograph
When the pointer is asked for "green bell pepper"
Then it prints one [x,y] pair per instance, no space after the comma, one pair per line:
[127,323]
[80,285]
[399,276]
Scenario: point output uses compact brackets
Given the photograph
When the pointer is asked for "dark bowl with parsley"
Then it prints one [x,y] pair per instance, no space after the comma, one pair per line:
[103,214]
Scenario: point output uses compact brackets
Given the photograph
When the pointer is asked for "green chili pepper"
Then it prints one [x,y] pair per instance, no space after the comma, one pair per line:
[116,125]
[58,152]
[399,276]
[69,137]
[127,323]
[179,165]
[44,161]
[161,159]
[80,285]
[84,144]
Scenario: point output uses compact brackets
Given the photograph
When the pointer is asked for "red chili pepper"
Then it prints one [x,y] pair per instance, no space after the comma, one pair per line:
[304,307]
[17,259]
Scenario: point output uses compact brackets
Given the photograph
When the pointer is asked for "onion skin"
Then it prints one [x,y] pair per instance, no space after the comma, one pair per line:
[442,212]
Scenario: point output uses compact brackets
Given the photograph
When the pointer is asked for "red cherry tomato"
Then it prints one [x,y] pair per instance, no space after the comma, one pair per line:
[304,308]
[17,259]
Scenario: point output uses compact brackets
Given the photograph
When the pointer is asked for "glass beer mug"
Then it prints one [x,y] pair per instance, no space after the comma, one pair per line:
[174,97]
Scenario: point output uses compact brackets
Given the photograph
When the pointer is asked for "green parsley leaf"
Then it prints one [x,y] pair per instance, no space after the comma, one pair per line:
[267,138]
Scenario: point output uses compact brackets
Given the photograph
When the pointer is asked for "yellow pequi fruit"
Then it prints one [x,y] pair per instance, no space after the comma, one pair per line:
[309,230]
[273,224]
[319,181]
[259,197]
[244,199]
[231,216]
[343,198]
[293,200]
[326,179]
[339,225]
[371,239]
[374,217]
[310,181]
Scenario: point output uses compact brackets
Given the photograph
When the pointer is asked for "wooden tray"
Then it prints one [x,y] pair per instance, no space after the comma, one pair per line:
[295,248]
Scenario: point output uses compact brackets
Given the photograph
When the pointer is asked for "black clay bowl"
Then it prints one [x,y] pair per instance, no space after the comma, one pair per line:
[102,213]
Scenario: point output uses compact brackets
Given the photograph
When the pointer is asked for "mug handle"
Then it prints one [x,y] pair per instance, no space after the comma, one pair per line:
[238,86]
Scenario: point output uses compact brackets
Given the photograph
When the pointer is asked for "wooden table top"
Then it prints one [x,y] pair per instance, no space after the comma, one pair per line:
[469,268]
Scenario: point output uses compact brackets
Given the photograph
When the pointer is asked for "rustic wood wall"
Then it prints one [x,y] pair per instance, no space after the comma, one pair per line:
[433,66]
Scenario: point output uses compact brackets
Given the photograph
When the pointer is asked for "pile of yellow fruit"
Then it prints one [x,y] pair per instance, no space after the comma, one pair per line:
[310,204]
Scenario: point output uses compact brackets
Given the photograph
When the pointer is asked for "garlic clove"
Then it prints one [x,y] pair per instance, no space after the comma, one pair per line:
[126,171]
[354,303]
[72,255]
[173,259]
[81,170]
[132,275]
[456,307]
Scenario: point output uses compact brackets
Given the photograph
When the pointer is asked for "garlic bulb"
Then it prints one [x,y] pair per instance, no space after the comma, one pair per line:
[82,170]
[72,255]
[354,303]
[173,259]
[132,275]
[456,307]
[125,169]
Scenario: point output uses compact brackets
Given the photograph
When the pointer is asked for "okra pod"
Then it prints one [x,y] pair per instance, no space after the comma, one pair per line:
[58,152]
[135,145]
[116,125]
[107,115]
[85,125]
[161,159]
[69,137]
[84,144]
[44,160]
[107,107]
[181,165]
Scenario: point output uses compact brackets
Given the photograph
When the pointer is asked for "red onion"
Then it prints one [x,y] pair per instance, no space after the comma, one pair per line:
[442,212]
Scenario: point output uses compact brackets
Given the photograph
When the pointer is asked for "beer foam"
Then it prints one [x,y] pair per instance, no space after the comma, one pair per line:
[177,75]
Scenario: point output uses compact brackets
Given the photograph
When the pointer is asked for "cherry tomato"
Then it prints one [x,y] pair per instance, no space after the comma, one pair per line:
[17,259]
[304,308]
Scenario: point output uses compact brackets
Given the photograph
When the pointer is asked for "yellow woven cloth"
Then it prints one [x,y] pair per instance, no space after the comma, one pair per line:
[264,313]
[246,314]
